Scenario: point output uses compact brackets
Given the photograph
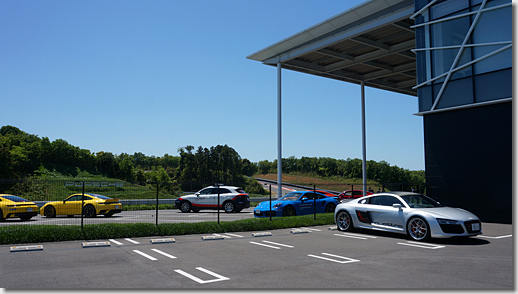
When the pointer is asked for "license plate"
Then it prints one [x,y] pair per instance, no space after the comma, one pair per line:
[29,209]
[257,211]
[475,226]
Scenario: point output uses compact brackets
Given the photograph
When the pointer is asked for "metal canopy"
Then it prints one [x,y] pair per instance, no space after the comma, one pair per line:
[369,43]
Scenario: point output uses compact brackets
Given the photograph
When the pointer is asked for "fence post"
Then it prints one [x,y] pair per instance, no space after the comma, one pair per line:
[82,206]
[218,201]
[270,203]
[156,214]
[314,202]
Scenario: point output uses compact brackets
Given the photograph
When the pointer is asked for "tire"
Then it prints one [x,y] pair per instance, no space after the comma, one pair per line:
[289,211]
[418,229]
[185,206]
[330,208]
[49,211]
[89,211]
[344,222]
[228,206]
[1,216]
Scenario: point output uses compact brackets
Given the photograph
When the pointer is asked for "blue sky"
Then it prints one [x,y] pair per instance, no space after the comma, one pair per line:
[154,76]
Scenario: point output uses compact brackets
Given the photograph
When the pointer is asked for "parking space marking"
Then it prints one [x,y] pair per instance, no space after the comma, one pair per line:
[499,237]
[218,277]
[274,247]
[316,230]
[422,245]
[132,241]
[348,235]
[347,259]
[234,235]
[144,254]
[163,253]
[278,244]
[116,242]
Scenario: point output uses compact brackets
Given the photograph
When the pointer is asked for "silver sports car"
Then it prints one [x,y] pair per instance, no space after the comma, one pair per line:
[409,213]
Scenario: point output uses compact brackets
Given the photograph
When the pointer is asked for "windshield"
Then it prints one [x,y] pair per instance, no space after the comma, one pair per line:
[420,201]
[292,196]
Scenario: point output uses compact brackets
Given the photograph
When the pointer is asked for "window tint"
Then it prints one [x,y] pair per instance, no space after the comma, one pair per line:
[206,191]
[75,198]
[14,198]
[385,200]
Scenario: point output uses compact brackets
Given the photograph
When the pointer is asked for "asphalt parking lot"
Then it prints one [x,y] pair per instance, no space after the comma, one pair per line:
[312,258]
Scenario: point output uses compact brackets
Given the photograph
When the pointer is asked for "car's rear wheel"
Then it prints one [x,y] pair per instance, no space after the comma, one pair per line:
[185,206]
[228,206]
[289,211]
[49,211]
[89,211]
[330,207]
[418,229]
[344,221]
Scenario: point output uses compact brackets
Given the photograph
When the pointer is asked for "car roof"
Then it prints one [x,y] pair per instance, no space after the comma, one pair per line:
[397,193]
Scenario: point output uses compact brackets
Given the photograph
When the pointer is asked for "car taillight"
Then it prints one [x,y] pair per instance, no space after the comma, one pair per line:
[239,195]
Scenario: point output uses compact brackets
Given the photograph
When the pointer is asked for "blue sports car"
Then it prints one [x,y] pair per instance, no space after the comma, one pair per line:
[297,203]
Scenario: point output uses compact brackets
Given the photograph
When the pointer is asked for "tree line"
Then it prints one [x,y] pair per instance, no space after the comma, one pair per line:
[23,155]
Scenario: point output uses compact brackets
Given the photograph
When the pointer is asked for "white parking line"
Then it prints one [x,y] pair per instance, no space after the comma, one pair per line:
[132,241]
[347,259]
[353,236]
[116,242]
[163,253]
[422,245]
[274,247]
[144,254]
[316,230]
[234,235]
[218,277]
[278,244]
[499,237]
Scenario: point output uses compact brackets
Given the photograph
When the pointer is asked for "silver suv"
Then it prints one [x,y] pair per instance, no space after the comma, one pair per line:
[231,199]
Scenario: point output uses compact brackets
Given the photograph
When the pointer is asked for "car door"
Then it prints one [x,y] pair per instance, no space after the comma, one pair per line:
[214,196]
[306,204]
[384,215]
[71,206]
[203,199]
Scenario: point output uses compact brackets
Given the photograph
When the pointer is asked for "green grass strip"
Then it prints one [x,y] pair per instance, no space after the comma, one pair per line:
[23,234]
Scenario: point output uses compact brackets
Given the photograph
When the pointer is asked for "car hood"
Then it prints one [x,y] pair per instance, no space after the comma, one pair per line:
[451,213]
[266,204]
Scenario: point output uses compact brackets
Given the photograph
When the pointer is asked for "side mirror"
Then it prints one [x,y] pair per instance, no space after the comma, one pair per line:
[397,205]
[197,194]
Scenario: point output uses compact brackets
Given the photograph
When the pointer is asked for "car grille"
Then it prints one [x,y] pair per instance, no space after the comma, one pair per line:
[452,229]
[469,227]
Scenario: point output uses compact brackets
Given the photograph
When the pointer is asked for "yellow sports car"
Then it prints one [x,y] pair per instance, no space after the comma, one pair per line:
[13,206]
[94,204]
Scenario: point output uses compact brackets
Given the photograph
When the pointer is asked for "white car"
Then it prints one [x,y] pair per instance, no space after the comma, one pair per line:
[231,199]
[409,213]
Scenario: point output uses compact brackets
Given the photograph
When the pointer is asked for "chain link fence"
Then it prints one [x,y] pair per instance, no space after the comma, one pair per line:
[70,202]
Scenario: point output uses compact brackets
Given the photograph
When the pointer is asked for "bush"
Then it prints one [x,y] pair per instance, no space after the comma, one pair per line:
[22,234]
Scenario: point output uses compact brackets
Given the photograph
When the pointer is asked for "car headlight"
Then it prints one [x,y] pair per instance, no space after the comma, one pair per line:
[442,221]
[276,205]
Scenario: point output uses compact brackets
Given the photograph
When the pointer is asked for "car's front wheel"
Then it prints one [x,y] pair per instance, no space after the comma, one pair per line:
[228,206]
[289,211]
[418,229]
[49,211]
[1,215]
[185,206]
[344,221]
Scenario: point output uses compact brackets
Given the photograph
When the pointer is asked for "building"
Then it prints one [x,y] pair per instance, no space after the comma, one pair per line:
[456,57]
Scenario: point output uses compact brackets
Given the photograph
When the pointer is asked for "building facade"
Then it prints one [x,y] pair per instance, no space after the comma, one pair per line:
[464,72]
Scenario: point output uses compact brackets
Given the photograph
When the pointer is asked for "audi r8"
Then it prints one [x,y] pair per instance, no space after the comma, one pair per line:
[418,216]
[296,203]
[90,205]
[14,206]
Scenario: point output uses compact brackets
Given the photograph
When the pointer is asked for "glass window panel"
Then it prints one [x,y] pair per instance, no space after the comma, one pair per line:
[443,60]
[493,26]
[449,33]
[425,98]
[447,7]
[498,61]
[494,86]
[457,93]
[467,71]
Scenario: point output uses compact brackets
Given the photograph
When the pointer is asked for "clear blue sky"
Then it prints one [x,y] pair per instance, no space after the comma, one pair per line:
[153,76]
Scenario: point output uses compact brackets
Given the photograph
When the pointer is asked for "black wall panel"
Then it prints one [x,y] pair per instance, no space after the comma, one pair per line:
[468,160]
